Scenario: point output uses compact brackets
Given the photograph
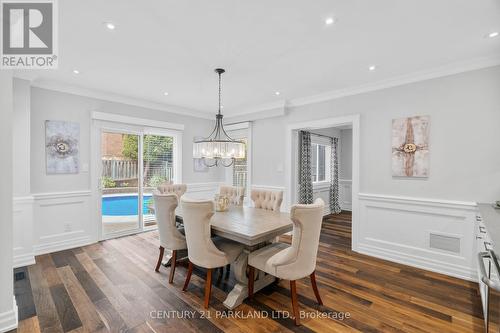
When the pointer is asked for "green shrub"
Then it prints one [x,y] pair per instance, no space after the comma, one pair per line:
[108,182]
[156,180]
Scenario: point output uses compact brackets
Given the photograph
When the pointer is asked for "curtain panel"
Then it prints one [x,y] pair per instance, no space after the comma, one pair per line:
[305,178]
[334,178]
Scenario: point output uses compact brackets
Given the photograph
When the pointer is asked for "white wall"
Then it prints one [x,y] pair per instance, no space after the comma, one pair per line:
[464,110]
[464,162]
[55,212]
[345,154]
[52,105]
[8,309]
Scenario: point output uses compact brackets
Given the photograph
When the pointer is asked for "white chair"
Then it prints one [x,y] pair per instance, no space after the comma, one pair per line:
[202,251]
[178,189]
[234,193]
[264,199]
[295,261]
[170,237]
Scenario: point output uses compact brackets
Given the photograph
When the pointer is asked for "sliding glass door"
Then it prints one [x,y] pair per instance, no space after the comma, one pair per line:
[132,164]
[158,168]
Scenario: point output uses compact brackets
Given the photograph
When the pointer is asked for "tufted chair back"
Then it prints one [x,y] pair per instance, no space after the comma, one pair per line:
[234,193]
[165,205]
[201,250]
[270,200]
[178,189]
[299,260]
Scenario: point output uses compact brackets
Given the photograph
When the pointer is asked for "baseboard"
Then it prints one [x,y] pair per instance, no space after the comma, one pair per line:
[441,267]
[9,319]
[24,259]
[62,245]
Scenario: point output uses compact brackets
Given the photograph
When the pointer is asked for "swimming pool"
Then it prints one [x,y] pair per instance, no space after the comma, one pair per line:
[124,205]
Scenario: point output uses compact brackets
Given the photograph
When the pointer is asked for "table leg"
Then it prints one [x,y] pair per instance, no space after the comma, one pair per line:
[240,290]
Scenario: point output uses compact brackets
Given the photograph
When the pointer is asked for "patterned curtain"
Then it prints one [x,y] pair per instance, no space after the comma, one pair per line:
[305,178]
[334,178]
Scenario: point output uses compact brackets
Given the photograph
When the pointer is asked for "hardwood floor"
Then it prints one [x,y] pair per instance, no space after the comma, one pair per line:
[112,286]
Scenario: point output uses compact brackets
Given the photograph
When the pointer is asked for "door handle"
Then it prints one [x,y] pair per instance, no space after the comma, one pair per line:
[482,270]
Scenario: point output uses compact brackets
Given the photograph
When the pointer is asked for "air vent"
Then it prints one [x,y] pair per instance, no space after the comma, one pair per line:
[446,243]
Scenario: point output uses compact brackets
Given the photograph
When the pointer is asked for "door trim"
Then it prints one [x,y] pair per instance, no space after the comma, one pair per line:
[97,126]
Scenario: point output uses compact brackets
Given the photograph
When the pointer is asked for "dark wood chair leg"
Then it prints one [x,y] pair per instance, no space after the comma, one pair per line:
[315,288]
[295,302]
[251,278]
[173,262]
[188,276]
[208,287]
[160,258]
[228,270]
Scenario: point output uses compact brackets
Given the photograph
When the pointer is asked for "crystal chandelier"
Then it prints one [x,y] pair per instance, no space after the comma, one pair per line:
[218,148]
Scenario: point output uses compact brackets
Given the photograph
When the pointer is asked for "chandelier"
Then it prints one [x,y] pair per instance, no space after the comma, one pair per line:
[218,148]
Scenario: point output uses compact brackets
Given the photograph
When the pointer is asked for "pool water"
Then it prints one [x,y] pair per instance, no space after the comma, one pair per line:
[124,205]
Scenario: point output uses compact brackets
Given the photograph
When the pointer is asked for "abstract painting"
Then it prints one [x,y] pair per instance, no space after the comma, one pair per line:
[410,147]
[62,146]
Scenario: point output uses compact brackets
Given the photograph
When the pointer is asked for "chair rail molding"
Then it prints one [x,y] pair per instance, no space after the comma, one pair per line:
[399,229]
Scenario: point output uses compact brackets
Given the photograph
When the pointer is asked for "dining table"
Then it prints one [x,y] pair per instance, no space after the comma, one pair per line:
[254,228]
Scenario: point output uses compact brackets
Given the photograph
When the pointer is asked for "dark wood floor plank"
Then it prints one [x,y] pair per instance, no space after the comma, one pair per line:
[90,319]
[65,309]
[112,286]
[45,307]
[23,294]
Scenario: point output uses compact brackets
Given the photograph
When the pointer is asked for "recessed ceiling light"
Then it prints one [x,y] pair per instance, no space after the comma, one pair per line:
[76,71]
[277,93]
[165,93]
[110,25]
[372,68]
[493,34]
[329,20]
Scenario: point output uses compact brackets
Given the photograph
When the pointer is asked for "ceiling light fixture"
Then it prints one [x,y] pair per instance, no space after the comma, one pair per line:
[165,93]
[76,71]
[277,93]
[372,68]
[218,146]
[493,34]
[110,25]
[329,21]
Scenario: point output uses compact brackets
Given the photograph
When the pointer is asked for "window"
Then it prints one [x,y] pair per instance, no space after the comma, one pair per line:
[240,170]
[320,162]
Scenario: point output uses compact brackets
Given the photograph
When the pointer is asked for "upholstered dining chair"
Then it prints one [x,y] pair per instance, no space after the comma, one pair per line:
[295,261]
[234,193]
[264,199]
[202,250]
[170,237]
[178,189]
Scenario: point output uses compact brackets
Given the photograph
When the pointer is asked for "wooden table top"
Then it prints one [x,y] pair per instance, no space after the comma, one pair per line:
[248,225]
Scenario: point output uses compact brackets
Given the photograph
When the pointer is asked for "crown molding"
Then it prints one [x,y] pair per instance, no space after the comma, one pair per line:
[112,97]
[442,71]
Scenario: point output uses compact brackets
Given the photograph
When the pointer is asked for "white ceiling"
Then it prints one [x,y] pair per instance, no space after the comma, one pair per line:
[265,46]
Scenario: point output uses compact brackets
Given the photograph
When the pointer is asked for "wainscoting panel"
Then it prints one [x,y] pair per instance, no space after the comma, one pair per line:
[400,228]
[62,220]
[23,231]
[345,193]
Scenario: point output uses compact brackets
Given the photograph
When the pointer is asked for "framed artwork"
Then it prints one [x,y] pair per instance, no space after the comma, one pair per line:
[198,165]
[62,140]
[410,147]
